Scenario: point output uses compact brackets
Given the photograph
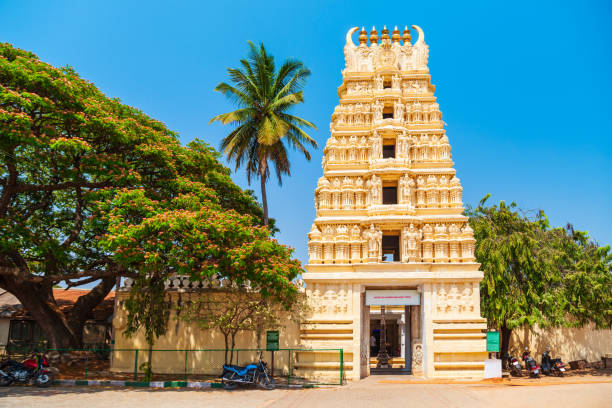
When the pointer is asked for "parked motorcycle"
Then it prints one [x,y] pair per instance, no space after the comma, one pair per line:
[234,375]
[552,366]
[32,370]
[530,364]
[514,366]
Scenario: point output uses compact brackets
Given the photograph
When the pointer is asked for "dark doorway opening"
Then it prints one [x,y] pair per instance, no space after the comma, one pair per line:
[389,195]
[390,248]
[389,151]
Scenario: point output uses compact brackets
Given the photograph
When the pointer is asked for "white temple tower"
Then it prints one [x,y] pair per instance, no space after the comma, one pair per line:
[389,229]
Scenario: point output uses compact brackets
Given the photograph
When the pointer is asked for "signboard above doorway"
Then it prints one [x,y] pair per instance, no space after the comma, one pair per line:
[392,298]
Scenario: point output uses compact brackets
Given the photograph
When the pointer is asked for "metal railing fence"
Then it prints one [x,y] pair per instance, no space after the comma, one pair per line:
[291,366]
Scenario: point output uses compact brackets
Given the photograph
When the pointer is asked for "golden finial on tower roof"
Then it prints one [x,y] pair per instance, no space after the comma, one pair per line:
[385,34]
[396,36]
[373,36]
[406,36]
[363,36]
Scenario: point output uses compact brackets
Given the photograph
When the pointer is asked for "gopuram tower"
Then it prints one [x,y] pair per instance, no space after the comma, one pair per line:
[392,278]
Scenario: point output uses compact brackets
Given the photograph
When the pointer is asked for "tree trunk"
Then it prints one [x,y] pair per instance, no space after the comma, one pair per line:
[505,342]
[264,197]
[38,300]
[225,337]
[233,336]
[62,330]
[81,311]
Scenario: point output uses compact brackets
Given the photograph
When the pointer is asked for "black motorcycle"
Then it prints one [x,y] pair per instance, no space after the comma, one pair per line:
[552,366]
[234,375]
[514,366]
[32,370]
[533,369]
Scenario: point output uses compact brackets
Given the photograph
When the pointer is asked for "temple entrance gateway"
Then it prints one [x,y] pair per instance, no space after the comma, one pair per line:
[388,222]
[390,330]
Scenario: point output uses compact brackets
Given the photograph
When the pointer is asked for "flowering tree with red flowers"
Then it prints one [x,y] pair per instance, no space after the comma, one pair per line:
[92,190]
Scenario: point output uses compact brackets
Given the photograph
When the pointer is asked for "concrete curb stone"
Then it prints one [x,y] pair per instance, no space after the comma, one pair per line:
[161,384]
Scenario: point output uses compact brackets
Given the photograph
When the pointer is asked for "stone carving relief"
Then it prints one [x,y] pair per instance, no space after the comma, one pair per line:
[334,300]
[359,88]
[437,191]
[411,244]
[376,141]
[453,299]
[415,87]
[352,114]
[346,150]
[403,146]
[430,148]
[374,187]
[406,191]
[374,239]
[417,357]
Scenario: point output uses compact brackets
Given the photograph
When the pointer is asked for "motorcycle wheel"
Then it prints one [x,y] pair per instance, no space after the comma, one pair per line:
[267,383]
[6,380]
[44,380]
[226,383]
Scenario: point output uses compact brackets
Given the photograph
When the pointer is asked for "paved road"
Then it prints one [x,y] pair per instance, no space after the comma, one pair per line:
[367,393]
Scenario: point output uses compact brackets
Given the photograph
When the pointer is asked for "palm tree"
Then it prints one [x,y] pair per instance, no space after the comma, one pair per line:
[263,127]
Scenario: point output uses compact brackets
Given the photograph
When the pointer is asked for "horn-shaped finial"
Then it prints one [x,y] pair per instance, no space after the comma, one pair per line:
[421,39]
[349,37]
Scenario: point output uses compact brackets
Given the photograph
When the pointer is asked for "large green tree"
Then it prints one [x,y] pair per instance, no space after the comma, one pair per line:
[92,190]
[536,274]
[264,126]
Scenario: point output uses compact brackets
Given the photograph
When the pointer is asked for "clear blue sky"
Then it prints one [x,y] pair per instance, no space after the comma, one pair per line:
[525,87]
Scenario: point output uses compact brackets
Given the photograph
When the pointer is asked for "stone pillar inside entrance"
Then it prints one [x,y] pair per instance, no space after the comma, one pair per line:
[407,349]
[364,336]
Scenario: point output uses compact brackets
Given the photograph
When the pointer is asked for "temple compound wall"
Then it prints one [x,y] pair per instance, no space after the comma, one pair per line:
[389,235]
[206,355]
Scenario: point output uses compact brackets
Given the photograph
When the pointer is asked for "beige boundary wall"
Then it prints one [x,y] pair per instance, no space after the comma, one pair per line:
[181,335]
[570,344]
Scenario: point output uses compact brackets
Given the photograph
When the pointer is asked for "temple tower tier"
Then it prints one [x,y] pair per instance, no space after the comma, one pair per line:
[389,248]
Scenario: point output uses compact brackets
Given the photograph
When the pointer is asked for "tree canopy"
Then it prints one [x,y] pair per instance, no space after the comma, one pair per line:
[92,189]
[536,274]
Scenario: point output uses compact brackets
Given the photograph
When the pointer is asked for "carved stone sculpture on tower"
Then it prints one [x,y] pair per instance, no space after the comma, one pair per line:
[398,111]
[378,82]
[377,109]
[376,190]
[376,147]
[374,238]
[411,243]
[395,81]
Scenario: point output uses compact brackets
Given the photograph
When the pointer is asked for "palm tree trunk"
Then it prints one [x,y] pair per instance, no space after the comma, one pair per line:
[264,197]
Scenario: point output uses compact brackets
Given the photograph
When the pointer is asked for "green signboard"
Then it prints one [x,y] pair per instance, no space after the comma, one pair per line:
[272,340]
[493,341]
